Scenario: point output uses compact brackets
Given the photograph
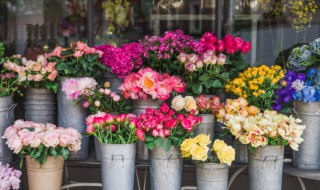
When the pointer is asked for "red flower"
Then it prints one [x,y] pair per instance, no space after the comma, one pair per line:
[164,108]
[220,46]
[172,123]
[140,134]
[238,41]
[246,46]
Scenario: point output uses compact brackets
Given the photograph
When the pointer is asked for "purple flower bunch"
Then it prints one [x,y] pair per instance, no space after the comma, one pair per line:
[122,60]
[9,177]
[289,85]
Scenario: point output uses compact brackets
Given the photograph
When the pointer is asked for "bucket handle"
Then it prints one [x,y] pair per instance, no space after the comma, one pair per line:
[11,108]
[270,158]
[113,157]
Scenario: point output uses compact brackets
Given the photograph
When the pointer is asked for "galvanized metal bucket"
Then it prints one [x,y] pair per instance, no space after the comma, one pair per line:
[241,152]
[140,107]
[212,176]
[266,167]
[97,149]
[165,169]
[206,127]
[308,156]
[117,166]
[40,105]
[218,133]
[115,82]
[6,119]
[75,117]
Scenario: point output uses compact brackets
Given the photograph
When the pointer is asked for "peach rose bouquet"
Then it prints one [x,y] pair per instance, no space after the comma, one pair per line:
[41,140]
[35,74]
[197,149]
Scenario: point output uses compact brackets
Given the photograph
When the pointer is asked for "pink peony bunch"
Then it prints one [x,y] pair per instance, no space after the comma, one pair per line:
[9,177]
[164,123]
[229,44]
[80,49]
[149,82]
[76,87]
[113,129]
[39,71]
[23,135]
[122,60]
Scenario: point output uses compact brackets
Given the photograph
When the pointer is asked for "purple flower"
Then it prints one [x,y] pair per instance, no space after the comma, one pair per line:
[9,177]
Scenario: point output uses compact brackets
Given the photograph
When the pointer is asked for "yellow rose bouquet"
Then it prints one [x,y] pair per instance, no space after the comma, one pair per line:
[197,149]
[258,85]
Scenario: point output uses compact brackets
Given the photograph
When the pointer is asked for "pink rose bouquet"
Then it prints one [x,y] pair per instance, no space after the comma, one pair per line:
[202,104]
[41,140]
[149,82]
[9,177]
[102,99]
[35,74]
[112,129]
[79,61]
[163,128]
[122,60]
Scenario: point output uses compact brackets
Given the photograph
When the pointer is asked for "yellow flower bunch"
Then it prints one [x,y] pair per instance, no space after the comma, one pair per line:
[197,149]
[257,85]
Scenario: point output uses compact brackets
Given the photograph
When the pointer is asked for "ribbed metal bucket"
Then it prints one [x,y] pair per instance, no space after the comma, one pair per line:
[206,127]
[40,105]
[6,119]
[241,152]
[75,117]
[165,169]
[308,156]
[97,149]
[266,167]
[212,176]
[140,107]
[115,82]
[117,166]
[48,176]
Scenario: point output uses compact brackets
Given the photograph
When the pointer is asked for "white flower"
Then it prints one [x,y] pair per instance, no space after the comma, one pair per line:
[297,85]
[178,103]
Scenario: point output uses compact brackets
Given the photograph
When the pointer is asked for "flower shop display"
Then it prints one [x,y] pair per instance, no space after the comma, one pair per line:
[117,138]
[266,134]
[120,61]
[206,107]
[214,62]
[40,80]
[44,147]
[9,177]
[8,87]
[212,172]
[163,132]
[258,85]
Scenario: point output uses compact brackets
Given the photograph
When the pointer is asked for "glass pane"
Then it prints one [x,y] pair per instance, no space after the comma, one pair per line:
[27,25]
[152,17]
[273,26]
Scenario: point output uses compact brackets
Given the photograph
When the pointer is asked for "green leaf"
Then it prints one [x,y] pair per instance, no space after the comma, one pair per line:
[66,52]
[204,77]
[64,153]
[216,84]
[158,142]
[150,145]
[166,145]
[149,139]
[197,88]
[53,152]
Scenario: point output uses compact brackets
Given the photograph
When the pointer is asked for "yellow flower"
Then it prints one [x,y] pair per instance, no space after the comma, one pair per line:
[187,145]
[252,110]
[185,154]
[226,155]
[218,145]
[203,139]
[190,104]
[199,152]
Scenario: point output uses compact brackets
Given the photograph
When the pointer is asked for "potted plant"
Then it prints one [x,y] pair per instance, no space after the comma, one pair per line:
[44,147]
[40,79]
[9,177]
[266,134]
[117,138]
[8,87]
[76,62]
[206,107]
[149,88]
[103,99]
[163,132]
[212,172]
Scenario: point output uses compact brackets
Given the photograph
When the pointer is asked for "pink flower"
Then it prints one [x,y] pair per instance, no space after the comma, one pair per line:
[166,132]
[193,58]
[172,123]
[51,139]
[85,104]
[221,59]
[100,53]
[75,147]
[246,46]
[90,129]
[207,57]
[164,108]
[220,46]
[140,134]
[37,77]
[73,136]
[199,64]
[183,57]
[238,41]
[187,125]
[116,98]
[81,46]
[14,143]
[109,119]
[155,132]
[52,76]
[130,88]
[78,54]
[190,67]
[70,88]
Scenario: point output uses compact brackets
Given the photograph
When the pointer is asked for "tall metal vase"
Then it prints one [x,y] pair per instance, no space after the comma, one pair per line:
[241,152]
[117,166]
[266,167]
[212,176]
[206,127]
[40,105]
[6,119]
[165,169]
[140,107]
[74,116]
[308,156]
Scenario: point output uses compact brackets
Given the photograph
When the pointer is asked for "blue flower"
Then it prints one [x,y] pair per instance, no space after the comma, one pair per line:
[297,95]
[312,72]
[309,93]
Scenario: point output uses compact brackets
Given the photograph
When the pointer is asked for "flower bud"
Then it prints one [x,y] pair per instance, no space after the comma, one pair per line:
[97,103]
[85,104]
[107,84]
